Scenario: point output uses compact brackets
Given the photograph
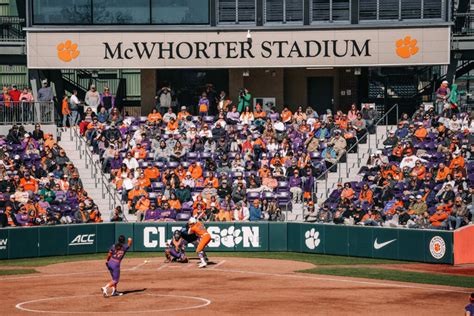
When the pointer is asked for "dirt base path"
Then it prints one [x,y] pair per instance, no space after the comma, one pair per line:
[230,286]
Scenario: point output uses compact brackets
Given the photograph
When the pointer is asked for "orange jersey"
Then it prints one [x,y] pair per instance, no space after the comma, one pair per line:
[198,229]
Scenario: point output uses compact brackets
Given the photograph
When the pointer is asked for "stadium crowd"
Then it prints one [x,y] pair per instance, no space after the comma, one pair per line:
[245,163]
[248,163]
[39,185]
[423,178]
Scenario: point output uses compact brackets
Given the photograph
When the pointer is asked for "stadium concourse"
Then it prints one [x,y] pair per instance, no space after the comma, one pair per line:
[249,164]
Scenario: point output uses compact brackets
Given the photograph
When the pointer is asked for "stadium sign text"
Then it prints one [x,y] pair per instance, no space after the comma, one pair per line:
[239,50]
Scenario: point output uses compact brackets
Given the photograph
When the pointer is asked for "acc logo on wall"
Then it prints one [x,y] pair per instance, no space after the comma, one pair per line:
[67,51]
[406,47]
[437,247]
[82,240]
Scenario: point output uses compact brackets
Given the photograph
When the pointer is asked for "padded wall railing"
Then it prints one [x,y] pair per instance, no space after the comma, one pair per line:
[389,243]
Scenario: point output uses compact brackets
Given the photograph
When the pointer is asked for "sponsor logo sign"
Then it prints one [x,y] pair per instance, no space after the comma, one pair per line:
[3,244]
[82,240]
[378,245]
[437,247]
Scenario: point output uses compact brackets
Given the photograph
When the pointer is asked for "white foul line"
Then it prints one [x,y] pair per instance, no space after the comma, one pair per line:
[140,265]
[340,280]
[214,267]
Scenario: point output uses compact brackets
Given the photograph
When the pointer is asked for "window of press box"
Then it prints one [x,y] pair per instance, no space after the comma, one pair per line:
[121,12]
[283,11]
[374,10]
[236,11]
[62,12]
[330,10]
[180,11]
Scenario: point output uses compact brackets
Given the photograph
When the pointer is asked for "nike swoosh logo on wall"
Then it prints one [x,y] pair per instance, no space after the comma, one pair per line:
[381,245]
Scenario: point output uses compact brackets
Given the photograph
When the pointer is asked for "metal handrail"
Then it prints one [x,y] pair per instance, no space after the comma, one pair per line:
[324,175]
[23,112]
[96,169]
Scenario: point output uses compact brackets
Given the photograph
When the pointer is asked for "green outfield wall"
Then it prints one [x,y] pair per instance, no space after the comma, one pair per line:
[399,244]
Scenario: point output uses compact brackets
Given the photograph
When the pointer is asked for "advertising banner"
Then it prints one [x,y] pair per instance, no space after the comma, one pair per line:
[302,48]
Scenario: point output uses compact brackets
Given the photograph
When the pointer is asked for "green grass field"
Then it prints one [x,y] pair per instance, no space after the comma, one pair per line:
[326,265]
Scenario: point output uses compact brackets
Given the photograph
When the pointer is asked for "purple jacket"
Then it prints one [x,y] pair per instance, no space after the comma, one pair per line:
[295,182]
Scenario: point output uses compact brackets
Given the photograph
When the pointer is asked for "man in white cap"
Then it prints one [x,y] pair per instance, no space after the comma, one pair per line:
[45,93]
[442,96]
[92,99]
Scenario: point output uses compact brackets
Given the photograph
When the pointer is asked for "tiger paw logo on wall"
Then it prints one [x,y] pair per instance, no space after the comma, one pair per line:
[67,51]
[406,47]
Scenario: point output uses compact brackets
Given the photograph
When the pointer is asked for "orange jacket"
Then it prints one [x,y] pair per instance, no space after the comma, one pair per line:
[421,133]
[366,196]
[152,173]
[196,172]
[437,219]
[154,117]
[442,174]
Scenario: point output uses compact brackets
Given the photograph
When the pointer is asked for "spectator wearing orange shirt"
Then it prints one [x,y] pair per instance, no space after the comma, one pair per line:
[195,170]
[29,184]
[50,141]
[152,172]
[212,180]
[139,152]
[172,126]
[418,171]
[174,202]
[443,172]
[154,117]
[143,182]
[286,115]
[183,114]
[457,161]
[366,194]
[135,193]
[438,219]
[141,206]
[347,193]
[420,132]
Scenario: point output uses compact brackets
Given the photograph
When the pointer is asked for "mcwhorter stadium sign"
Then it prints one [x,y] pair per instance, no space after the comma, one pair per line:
[327,48]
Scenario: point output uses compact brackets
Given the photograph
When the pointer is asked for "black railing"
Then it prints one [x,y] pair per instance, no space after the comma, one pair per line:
[463,24]
[11,29]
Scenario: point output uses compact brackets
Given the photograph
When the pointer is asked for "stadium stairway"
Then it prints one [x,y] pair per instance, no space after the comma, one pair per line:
[348,172]
[90,179]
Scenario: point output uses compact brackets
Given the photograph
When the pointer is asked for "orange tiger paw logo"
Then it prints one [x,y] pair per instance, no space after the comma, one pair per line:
[406,47]
[67,51]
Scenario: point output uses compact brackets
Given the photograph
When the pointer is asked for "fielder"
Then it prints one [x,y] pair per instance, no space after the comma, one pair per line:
[175,250]
[196,227]
[114,258]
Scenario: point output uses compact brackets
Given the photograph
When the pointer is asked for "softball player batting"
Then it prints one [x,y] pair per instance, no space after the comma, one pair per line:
[196,227]
[114,258]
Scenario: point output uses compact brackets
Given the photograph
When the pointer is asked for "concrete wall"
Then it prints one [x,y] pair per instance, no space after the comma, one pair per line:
[148,90]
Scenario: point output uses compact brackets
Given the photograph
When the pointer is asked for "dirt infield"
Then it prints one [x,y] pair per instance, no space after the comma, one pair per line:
[230,286]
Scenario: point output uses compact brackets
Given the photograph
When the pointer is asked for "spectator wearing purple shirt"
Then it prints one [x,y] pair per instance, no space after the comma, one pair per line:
[295,184]
[233,116]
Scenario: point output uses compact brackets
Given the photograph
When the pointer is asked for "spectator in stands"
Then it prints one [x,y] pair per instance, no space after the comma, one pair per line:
[459,214]
[45,93]
[81,215]
[107,100]
[442,96]
[92,99]
[255,211]
[164,97]
[74,104]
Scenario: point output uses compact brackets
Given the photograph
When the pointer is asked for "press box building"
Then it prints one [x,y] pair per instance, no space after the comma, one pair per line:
[322,53]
